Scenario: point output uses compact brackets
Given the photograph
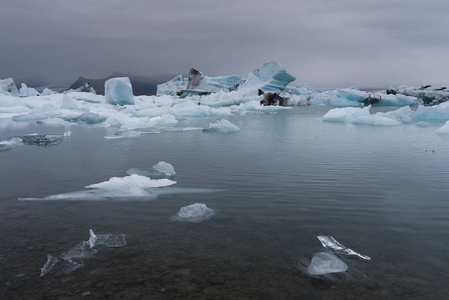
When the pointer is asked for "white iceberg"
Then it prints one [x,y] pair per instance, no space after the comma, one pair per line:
[331,243]
[325,263]
[119,91]
[194,213]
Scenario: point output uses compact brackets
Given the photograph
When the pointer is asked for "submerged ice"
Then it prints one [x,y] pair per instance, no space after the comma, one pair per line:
[326,263]
[72,259]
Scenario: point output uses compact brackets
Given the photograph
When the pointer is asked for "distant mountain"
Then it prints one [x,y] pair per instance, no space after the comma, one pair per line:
[142,85]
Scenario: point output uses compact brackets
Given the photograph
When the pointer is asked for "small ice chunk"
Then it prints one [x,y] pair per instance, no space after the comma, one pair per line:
[80,251]
[108,239]
[164,168]
[222,126]
[325,263]
[49,264]
[11,143]
[194,213]
[331,243]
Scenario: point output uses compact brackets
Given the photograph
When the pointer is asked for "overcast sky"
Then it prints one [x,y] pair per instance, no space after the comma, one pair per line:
[324,43]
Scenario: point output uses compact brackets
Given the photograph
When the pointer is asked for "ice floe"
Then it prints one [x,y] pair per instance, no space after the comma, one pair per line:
[194,213]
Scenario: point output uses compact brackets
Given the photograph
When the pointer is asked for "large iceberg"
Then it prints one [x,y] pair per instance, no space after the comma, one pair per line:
[427,94]
[270,77]
[119,91]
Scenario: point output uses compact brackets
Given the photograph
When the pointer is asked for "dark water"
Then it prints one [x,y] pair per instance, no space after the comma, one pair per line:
[283,179]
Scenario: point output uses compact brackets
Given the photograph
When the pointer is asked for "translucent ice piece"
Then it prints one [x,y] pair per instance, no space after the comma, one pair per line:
[49,264]
[108,239]
[331,243]
[80,251]
[164,168]
[196,212]
[325,263]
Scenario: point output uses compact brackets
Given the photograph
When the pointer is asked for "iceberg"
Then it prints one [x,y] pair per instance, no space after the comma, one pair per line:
[47,92]
[172,87]
[324,263]
[331,243]
[444,129]
[119,91]
[44,140]
[222,126]
[8,87]
[270,77]
[194,213]
[25,91]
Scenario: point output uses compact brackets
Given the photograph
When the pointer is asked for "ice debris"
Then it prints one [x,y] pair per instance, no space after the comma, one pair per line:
[119,91]
[331,243]
[34,139]
[325,263]
[222,126]
[194,213]
[73,258]
[108,240]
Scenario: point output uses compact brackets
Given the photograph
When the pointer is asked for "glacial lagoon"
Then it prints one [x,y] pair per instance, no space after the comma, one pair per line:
[285,178]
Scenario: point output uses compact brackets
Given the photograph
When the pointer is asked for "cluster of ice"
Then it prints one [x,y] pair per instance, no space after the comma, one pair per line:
[324,263]
[194,213]
[72,259]
[404,115]
[222,126]
[427,94]
[128,116]
[119,91]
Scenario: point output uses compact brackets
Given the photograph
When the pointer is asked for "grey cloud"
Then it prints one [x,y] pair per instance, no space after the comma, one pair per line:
[324,43]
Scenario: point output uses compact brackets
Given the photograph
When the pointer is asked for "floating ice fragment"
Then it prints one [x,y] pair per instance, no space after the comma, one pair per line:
[11,143]
[222,126]
[325,263]
[108,239]
[80,251]
[49,264]
[331,243]
[164,168]
[44,140]
[194,213]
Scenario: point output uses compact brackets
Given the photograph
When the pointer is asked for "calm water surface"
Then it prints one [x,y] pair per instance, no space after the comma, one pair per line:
[281,181]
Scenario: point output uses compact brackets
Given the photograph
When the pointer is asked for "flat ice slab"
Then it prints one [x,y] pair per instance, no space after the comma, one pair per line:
[325,263]
[331,243]
[194,213]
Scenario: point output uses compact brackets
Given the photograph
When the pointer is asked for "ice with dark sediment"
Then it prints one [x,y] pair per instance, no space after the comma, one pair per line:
[331,243]
[325,263]
[194,213]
